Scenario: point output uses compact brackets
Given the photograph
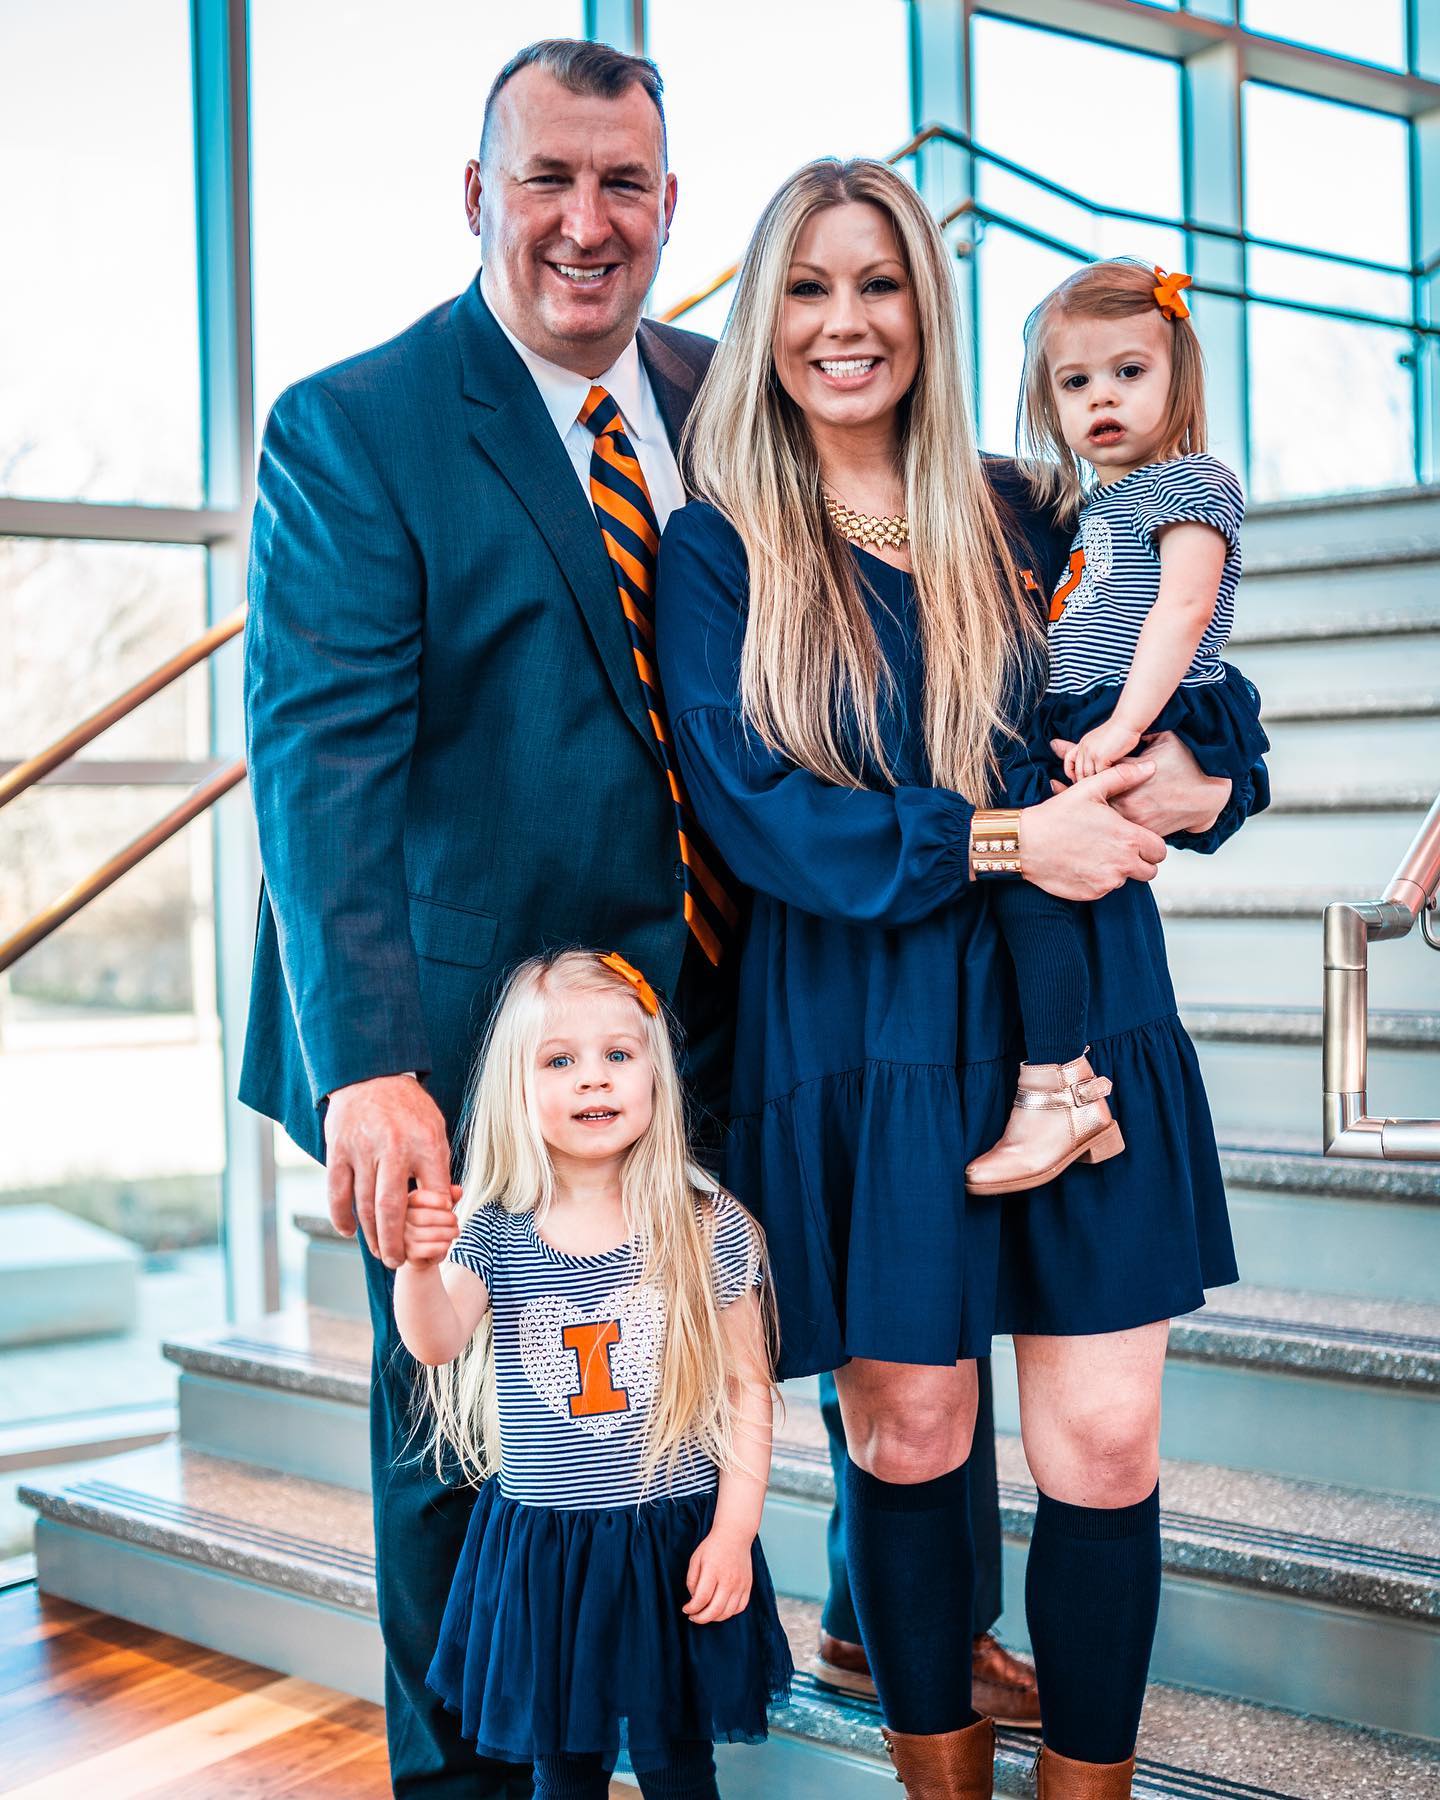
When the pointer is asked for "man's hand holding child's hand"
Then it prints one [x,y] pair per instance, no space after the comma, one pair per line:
[718,1578]
[430,1227]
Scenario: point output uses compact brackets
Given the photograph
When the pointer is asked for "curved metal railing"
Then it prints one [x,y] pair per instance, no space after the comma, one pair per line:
[1348,1128]
[24,776]
[1414,273]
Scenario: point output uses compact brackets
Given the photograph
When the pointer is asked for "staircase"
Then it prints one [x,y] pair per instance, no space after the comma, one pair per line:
[1299,1648]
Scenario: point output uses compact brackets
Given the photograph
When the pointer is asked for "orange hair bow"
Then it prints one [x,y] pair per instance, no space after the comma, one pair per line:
[1167,294]
[644,993]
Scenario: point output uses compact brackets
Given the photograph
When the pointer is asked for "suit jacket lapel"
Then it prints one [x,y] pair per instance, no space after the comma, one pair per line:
[512,428]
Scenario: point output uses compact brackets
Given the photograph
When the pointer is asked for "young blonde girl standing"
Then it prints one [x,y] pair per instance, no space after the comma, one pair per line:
[1113,418]
[594,1318]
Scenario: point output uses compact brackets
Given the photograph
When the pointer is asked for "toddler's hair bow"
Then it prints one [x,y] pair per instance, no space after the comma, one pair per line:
[644,993]
[1167,294]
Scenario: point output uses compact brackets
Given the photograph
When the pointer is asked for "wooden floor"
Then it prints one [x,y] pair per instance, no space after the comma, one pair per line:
[90,1705]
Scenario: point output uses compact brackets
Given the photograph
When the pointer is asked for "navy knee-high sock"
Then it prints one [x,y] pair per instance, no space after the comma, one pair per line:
[912,1575]
[1092,1593]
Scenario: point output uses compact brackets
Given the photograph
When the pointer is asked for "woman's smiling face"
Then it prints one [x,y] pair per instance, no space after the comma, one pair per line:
[847,345]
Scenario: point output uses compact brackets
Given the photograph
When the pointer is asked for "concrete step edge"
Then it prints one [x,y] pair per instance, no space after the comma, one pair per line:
[1366,706]
[1400,552]
[1393,797]
[1396,1030]
[1306,902]
[1318,628]
[1341,1566]
[1173,1762]
[1291,1169]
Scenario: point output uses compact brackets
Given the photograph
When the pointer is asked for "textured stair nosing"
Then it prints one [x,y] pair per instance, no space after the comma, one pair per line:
[1392,1359]
[1417,1030]
[1321,628]
[1322,558]
[1255,902]
[238,1546]
[1371,1578]
[1414,796]
[235,1357]
[1291,1169]
[1398,704]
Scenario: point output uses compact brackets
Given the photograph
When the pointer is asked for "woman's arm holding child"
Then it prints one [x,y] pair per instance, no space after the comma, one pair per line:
[1192,560]
[437,1304]
[719,1575]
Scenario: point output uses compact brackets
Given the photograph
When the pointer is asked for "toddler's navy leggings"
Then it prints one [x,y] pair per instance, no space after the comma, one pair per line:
[1042,935]
[689,1775]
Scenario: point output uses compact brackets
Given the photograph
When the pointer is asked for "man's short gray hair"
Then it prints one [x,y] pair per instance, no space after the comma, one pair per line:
[582,66]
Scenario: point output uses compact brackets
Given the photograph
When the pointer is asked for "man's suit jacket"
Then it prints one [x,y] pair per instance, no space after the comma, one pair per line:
[450,758]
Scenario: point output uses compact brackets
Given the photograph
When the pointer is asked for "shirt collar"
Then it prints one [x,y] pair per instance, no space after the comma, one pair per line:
[563,393]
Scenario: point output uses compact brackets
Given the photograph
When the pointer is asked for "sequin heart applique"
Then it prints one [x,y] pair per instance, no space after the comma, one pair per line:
[594,1368]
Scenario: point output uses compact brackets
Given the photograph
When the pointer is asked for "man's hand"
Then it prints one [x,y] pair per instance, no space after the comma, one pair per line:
[379,1136]
[1179,796]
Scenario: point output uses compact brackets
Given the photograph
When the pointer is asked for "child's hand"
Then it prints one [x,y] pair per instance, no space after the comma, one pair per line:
[1099,749]
[718,1578]
[430,1227]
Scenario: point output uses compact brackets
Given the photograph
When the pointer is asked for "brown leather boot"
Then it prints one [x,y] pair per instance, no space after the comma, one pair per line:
[951,1765]
[1059,1117]
[1003,1685]
[1061,1778]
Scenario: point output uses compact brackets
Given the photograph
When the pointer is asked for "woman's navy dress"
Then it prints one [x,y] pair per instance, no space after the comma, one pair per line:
[876,1050]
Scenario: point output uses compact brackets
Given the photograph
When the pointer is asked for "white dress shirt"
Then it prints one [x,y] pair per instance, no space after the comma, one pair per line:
[563,393]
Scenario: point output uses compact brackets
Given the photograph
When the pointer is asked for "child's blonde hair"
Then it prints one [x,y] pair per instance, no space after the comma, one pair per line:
[1117,289]
[668,1202]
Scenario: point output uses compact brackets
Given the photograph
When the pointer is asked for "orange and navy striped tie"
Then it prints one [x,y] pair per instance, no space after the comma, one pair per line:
[632,537]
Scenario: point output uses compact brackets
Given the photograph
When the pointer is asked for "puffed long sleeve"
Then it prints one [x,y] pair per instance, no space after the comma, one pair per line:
[863,855]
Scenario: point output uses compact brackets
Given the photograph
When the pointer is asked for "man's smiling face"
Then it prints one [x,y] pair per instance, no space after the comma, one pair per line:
[571,206]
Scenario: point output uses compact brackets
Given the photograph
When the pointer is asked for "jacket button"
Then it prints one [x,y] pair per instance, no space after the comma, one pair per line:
[679,871]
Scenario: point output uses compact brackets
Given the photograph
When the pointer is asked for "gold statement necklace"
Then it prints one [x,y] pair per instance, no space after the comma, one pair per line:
[865,529]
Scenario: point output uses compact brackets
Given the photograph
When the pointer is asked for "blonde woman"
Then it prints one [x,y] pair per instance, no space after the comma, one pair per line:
[850,644]
[592,1319]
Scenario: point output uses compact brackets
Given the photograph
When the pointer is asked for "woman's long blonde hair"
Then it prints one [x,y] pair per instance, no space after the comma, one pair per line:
[1120,288]
[668,1205]
[811,668]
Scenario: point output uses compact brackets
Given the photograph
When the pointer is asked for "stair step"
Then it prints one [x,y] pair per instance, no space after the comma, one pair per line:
[191,1544]
[1353,747]
[1262,1065]
[1254,1566]
[1305,1221]
[334,1274]
[1264,947]
[1328,853]
[1308,1540]
[1397,792]
[1312,1387]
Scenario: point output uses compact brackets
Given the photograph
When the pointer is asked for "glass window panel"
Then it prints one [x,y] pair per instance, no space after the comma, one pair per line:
[1371,32]
[1353,429]
[360,135]
[111,1130]
[740,120]
[1328,176]
[1014,275]
[1049,69]
[99,332]
[79,623]
[1282,274]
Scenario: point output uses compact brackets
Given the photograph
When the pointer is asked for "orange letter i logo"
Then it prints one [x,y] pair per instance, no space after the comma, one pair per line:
[598,1392]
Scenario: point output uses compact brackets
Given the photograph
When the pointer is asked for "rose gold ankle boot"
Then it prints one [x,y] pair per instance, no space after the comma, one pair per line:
[952,1765]
[1060,1778]
[1059,1117]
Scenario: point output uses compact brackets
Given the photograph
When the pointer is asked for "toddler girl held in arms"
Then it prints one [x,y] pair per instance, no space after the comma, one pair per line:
[597,1335]
[1113,417]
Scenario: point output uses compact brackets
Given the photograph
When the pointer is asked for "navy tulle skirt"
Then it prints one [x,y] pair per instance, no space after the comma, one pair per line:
[564,1632]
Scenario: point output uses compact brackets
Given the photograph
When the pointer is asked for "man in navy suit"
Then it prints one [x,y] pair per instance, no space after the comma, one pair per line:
[451,759]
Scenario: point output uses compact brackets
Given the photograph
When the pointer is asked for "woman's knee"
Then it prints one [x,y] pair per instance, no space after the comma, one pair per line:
[1096,1456]
[908,1432]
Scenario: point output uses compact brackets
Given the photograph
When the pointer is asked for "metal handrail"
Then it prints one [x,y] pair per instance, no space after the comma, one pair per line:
[1413,272]
[24,775]
[1348,1130]
[52,917]
[35,768]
